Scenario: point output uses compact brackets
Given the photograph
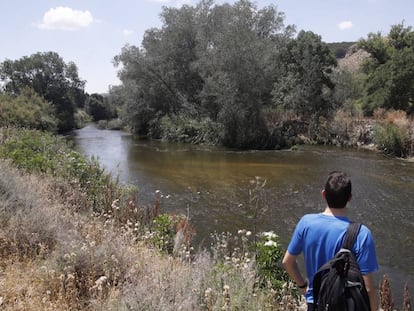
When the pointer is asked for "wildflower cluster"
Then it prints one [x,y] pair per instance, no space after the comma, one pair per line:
[232,249]
[268,259]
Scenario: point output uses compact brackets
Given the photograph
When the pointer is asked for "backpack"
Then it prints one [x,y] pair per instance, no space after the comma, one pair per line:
[338,285]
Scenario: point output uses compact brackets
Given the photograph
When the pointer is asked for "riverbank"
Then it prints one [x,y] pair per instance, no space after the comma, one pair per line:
[74,239]
[388,132]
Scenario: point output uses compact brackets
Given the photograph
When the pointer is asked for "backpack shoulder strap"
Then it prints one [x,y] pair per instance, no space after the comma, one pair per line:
[351,235]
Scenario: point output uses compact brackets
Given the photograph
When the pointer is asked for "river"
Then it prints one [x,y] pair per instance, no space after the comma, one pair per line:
[215,186]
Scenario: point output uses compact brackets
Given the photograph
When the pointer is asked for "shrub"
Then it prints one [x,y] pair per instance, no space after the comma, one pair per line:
[187,130]
[114,124]
[27,110]
[391,132]
[171,234]
[81,118]
[269,255]
[44,153]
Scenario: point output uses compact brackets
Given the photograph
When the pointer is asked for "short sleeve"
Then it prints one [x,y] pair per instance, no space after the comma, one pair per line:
[366,254]
[295,246]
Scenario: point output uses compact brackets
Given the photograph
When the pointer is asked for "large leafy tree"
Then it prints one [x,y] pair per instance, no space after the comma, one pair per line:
[50,77]
[305,86]
[389,82]
[208,61]
[158,78]
[238,47]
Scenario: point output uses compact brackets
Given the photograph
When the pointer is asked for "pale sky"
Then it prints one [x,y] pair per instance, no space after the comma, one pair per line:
[91,32]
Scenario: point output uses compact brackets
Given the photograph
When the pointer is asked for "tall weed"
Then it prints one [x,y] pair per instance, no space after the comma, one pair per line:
[392,132]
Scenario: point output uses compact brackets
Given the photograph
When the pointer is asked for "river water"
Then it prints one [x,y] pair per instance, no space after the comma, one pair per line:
[216,187]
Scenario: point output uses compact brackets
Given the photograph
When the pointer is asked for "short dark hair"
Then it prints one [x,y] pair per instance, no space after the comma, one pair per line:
[338,189]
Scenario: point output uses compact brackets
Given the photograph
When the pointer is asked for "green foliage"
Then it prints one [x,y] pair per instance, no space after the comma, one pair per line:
[98,108]
[81,118]
[210,61]
[114,124]
[348,90]
[257,265]
[164,230]
[269,256]
[39,152]
[339,49]
[188,130]
[51,78]
[390,70]
[27,110]
[305,87]
[391,138]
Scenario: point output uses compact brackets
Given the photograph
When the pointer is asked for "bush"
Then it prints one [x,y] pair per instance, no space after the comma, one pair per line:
[187,130]
[392,132]
[81,118]
[114,124]
[269,256]
[27,110]
[44,153]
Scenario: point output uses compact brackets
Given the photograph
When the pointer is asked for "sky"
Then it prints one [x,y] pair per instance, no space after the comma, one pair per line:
[91,33]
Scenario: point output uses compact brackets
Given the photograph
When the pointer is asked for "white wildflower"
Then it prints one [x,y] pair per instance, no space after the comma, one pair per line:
[208,291]
[270,235]
[270,243]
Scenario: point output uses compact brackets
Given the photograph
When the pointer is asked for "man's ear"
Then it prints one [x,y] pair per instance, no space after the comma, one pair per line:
[323,193]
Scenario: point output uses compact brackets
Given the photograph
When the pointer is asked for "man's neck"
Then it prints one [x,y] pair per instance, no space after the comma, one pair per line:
[335,211]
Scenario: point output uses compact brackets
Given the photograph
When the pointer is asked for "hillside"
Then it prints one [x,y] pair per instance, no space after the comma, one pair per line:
[353,59]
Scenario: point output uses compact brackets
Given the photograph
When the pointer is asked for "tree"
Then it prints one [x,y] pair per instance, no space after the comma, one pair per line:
[390,70]
[50,77]
[208,61]
[98,107]
[305,86]
[237,52]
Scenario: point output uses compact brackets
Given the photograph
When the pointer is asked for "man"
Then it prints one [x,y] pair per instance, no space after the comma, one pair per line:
[319,237]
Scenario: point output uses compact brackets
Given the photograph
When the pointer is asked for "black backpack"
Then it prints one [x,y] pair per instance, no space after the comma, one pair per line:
[338,285]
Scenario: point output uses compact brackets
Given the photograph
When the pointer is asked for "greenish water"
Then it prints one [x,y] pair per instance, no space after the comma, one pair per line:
[213,184]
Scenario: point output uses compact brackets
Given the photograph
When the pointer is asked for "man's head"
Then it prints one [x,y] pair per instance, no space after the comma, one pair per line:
[337,190]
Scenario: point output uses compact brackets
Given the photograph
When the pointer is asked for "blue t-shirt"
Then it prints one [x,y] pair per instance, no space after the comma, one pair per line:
[320,236]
